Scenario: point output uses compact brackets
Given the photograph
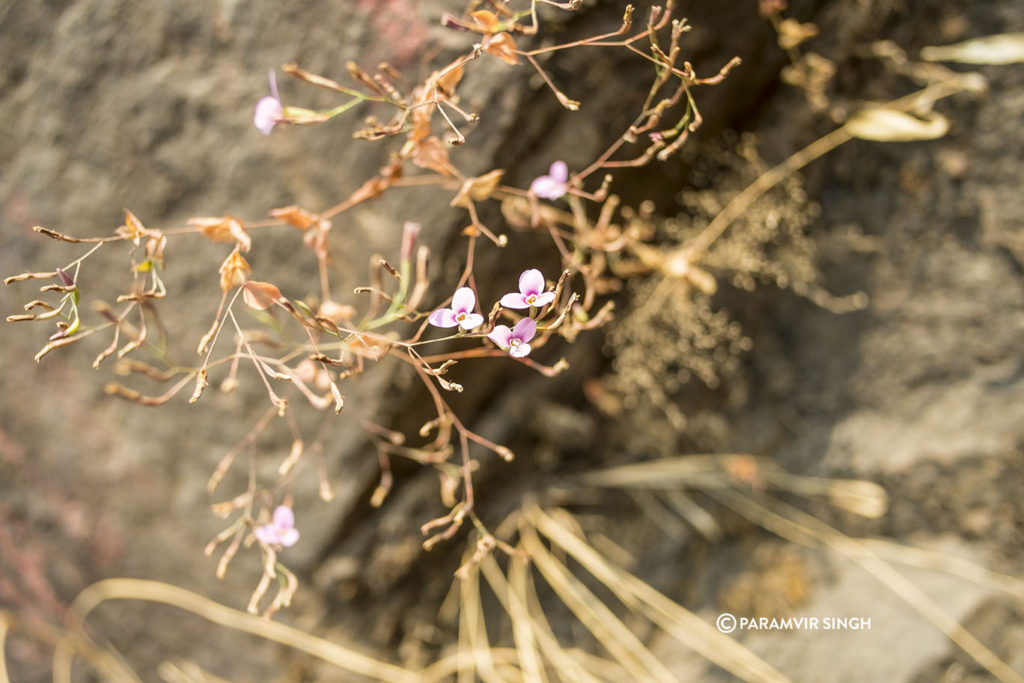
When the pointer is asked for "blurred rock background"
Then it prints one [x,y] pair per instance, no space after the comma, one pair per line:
[109,105]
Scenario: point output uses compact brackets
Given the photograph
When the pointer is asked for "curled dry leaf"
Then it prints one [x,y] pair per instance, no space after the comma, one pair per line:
[890,125]
[294,215]
[132,228]
[233,271]
[503,47]
[477,189]
[223,229]
[485,21]
[448,80]
[261,295]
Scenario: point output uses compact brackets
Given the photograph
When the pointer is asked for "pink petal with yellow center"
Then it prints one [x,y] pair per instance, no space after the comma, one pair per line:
[514,300]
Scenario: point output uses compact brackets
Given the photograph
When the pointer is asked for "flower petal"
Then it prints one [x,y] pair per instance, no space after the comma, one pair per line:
[268,113]
[284,517]
[472,320]
[519,351]
[289,538]
[547,187]
[514,300]
[272,77]
[531,282]
[544,299]
[501,336]
[443,317]
[464,300]
[267,534]
[559,171]
[525,329]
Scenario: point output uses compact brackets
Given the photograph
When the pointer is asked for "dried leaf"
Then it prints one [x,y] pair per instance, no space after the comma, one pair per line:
[335,312]
[448,80]
[368,190]
[293,69]
[449,386]
[485,20]
[224,229]
[293,215]
[260,295]
[233,271]
[477,189]
[503,47]
[132,228]
[364,78]
[889,125]
[1006,48]
[430,153]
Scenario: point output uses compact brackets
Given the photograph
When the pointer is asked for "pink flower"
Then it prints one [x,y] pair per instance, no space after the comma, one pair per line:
[281,531]
[555,184]
[515,340]
[269,111]
[460,314]
[531,292]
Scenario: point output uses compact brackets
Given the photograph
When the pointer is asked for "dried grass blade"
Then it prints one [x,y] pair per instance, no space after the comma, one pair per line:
[950,564]
[677,621]
[639,662]
[155,591]
[473,643]
[522,626]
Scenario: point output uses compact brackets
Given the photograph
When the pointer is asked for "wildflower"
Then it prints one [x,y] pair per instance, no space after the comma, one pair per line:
[460,314]
[281,531]
[555,184]
[531,292]
[269,111]
[515,340]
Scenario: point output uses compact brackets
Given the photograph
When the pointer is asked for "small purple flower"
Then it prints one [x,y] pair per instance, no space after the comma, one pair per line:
[460,314]
[555,184]
[515,340]
[269,111]
[531,292]
[281,531]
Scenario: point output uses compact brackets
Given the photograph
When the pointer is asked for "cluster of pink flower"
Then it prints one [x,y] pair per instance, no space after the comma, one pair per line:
[516,340]
[281,532]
